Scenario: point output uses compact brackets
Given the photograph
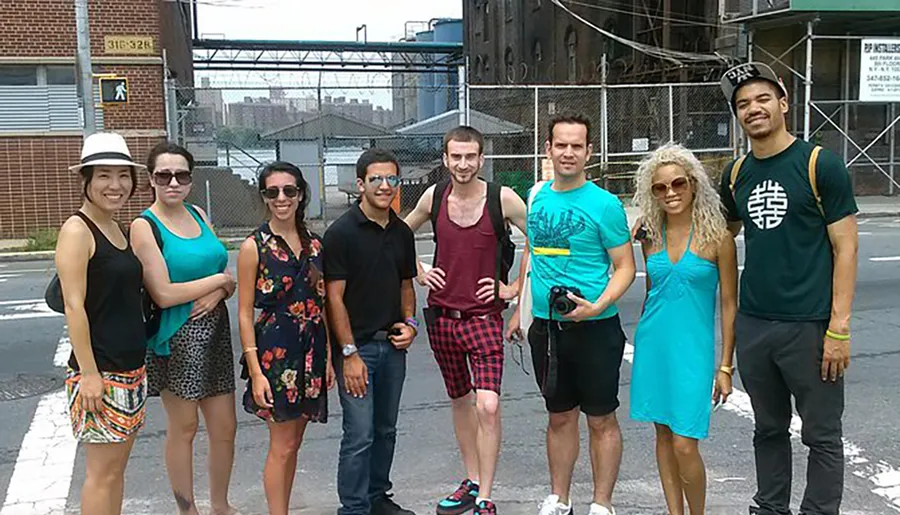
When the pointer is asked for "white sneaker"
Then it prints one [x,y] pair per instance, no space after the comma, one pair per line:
[552,506]
[599,509]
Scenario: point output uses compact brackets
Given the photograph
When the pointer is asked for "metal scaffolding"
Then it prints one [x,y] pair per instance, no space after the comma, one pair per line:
[327,56]
[842,106]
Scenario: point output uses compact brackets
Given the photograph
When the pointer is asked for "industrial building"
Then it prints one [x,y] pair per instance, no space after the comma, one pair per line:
[40,118]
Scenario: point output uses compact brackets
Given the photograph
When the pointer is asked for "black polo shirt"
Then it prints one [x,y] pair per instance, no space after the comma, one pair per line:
[374,261]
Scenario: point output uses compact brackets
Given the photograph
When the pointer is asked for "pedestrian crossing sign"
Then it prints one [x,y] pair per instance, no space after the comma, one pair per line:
[113,90]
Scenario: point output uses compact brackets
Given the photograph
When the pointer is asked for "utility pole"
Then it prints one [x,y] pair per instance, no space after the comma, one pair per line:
[85,71]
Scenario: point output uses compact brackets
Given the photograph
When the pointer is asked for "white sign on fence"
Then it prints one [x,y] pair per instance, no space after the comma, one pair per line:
[879,70]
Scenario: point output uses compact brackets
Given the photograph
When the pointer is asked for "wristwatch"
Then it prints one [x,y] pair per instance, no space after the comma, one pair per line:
[412,322]
[349,350]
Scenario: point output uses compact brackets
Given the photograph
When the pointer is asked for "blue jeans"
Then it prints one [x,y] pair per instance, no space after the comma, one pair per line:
[370,428]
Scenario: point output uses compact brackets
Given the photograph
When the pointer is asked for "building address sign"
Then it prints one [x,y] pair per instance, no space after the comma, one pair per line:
[129,45]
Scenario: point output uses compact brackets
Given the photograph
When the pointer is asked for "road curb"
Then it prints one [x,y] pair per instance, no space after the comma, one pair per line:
[15,257]
[878,214]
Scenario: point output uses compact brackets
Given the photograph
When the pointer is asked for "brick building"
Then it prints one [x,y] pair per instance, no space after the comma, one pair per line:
[40,119]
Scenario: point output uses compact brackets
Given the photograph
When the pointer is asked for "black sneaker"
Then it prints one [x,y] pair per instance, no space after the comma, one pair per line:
[460,501]
[384,505]
[485,508]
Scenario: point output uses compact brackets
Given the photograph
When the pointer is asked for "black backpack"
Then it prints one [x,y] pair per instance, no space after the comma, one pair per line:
[506,249]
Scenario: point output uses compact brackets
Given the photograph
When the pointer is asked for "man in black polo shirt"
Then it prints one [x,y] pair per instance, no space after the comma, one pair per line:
[370,261]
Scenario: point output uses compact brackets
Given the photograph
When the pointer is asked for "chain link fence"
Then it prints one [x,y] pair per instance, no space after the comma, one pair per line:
[627,122]
[234,132]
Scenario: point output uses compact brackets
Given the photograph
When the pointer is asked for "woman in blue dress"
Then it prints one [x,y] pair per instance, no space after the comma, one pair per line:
[286,357]
[690,255]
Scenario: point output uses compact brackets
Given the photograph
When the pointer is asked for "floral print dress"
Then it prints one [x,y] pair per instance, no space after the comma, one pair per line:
[291,336]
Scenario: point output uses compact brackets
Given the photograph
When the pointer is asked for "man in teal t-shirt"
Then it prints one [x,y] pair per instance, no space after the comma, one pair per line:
[577,233]
[792,331]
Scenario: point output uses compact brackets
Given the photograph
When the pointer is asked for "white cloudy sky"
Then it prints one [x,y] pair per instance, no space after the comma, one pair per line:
[332,20]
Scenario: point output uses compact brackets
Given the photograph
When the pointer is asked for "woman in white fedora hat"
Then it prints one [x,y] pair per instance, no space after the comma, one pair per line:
[101,283]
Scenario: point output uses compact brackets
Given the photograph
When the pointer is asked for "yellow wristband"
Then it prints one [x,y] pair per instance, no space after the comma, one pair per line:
[249,349]
[727,370]
[839,337]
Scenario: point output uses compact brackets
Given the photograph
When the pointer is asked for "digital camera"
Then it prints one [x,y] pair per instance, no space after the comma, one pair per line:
[559,301]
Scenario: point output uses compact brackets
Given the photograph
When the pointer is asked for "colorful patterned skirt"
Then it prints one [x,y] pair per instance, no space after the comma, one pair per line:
[123,410]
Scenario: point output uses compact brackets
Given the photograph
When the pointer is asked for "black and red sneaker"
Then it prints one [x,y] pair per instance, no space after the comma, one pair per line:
[485,508]
[460,501]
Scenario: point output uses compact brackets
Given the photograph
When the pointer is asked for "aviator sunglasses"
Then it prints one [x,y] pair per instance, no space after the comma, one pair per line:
[392,180]
[164,177]
[678,185]
[290,191]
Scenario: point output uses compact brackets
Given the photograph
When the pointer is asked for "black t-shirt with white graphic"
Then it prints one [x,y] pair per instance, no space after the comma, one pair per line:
[788,261]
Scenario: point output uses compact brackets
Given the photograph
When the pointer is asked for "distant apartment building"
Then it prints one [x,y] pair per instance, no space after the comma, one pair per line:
[210,99]
[260,114]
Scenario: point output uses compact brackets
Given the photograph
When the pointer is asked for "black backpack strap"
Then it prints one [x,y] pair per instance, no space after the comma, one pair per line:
[495,211]
[155,228]
[436,200]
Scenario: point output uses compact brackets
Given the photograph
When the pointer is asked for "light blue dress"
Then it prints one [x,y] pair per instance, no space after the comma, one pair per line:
[674,349]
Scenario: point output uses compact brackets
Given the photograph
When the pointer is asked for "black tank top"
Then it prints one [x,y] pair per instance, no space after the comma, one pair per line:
[113,305]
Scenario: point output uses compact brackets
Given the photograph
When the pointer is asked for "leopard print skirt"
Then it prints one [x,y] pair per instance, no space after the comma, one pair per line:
[201,361]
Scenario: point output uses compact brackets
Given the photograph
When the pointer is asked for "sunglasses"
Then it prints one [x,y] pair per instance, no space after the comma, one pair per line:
[392,180]
[678,185]
[290,191]
[164,177]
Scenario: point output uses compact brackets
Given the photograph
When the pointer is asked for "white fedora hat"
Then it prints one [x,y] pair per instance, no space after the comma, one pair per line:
[105,148]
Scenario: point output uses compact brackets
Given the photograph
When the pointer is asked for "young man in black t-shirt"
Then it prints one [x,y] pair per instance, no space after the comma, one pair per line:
[370,262]
[793,326]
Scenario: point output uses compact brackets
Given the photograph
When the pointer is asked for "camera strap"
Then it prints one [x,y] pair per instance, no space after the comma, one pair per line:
[551,377]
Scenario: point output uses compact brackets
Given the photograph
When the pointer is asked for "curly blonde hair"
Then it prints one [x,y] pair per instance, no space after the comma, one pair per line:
[709,221]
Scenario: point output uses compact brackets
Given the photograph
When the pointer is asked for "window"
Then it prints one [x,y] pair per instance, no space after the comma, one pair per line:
[508,7]
[479,68]
[18,75]
[61,75]
[572,55]
[538,52]
[486,21]
[44,98]
[537,4]
[509,59]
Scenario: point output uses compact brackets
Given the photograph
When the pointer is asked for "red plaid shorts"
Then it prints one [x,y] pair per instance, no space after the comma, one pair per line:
[475,342]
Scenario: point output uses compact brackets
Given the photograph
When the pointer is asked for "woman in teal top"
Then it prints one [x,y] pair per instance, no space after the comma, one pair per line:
[689,253]
[190,362]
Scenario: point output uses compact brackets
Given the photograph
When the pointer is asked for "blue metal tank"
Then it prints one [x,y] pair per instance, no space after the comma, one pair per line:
[447,30]
[425,90]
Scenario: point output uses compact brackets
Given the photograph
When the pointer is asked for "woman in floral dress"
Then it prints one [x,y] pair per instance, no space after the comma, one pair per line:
[286,358]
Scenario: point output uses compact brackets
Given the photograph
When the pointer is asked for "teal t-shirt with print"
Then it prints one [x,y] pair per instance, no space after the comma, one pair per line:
[569,235]
[788,264]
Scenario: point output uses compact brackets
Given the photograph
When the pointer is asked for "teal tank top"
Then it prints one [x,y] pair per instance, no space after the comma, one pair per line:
[187,259]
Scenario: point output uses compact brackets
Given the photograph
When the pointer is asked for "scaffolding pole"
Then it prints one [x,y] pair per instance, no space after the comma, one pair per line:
[808,80]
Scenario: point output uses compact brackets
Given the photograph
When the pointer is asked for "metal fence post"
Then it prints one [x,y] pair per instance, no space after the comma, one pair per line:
[537,132]
[604,119]
[209,213]
[461,96]
[671,114]
[893,143]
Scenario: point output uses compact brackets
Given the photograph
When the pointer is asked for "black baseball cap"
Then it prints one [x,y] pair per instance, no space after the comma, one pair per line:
[736,77]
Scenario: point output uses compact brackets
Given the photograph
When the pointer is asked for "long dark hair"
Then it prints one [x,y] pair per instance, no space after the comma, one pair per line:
[302,185]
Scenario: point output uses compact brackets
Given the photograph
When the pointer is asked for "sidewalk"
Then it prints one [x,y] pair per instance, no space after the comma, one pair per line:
[869,207]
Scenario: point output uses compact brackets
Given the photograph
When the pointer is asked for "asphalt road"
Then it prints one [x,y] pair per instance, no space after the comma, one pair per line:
[46,464]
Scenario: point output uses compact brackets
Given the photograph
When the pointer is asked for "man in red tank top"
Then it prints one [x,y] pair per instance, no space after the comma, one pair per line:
[464,316]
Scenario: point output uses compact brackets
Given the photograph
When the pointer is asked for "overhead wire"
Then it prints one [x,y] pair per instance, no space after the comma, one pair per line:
[676,57]
[683,18]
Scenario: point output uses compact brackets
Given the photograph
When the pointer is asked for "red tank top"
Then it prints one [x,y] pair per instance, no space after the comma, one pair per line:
[466,254]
